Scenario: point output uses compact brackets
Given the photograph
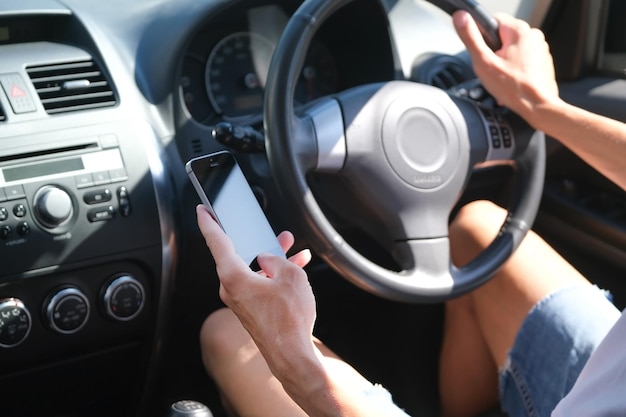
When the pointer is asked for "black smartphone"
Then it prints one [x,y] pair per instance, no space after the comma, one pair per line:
[224,190]
[487,24]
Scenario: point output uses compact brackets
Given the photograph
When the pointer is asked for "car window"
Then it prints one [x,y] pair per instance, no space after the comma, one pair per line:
[532,11]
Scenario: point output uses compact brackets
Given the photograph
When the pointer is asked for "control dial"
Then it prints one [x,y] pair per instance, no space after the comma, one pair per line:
[124,298]
[15,322]
[67,310]
[53,206]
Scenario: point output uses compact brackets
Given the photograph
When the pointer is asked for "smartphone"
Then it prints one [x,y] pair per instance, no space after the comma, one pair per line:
[488,25]
[224,190]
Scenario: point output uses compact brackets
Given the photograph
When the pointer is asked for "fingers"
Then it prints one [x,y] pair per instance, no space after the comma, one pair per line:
[470,34]
[301,258]
[286,240]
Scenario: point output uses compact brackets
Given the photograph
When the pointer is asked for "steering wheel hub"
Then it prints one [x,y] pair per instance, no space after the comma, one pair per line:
[420,143]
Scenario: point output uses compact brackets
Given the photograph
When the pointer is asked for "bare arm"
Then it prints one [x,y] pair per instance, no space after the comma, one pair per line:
[521,76]
[277,308]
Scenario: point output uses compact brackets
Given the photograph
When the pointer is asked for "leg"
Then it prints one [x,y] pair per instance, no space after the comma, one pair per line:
[248,387]
[243,378]
[480,327]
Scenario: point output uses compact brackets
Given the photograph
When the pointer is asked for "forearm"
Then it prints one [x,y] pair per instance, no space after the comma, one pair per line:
[598,140]
[320,385]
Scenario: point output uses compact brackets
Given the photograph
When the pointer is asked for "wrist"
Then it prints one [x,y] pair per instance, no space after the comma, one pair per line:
[306,380]
[540,116]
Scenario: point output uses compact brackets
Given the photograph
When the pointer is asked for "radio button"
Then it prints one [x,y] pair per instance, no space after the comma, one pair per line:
[53,206]
[123,199]
[83,181]
[118,175]
[100,178]
[14,192]
[19,210]
[5,232]
[4,214]
[97,196]
[101,214]
[23,229]
[108,140]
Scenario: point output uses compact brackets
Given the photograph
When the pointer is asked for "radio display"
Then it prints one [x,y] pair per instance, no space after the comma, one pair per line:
[46,168]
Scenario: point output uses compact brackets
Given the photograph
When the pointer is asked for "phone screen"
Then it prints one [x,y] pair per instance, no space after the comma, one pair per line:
[223,188]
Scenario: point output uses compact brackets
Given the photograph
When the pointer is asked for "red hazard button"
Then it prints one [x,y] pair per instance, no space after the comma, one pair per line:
[17,92]
[15,89]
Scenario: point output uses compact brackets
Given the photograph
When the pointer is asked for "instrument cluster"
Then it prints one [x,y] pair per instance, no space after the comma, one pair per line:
[226,80]
[227,61]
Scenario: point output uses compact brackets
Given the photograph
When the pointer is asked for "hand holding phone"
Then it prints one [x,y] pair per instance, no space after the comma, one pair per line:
[488,25]
[224,190]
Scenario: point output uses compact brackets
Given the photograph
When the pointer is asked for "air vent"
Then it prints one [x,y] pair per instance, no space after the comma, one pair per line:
[71,86]
[442,71]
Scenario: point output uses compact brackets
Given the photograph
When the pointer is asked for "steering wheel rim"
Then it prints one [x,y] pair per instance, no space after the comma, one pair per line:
[293,151]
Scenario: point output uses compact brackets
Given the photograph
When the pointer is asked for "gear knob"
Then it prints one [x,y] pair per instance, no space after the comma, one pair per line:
[189,408]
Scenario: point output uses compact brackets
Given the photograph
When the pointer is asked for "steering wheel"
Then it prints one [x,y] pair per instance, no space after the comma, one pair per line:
[406,150]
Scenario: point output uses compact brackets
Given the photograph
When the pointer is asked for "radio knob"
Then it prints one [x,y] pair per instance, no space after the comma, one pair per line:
[53,206]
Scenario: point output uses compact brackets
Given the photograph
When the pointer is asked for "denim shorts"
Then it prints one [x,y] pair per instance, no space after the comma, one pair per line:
[380,400]
[551,348]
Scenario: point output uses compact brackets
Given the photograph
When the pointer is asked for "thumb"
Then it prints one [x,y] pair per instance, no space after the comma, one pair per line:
[275,266]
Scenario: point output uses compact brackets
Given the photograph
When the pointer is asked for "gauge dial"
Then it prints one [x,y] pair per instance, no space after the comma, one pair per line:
[236,72]
[318,76]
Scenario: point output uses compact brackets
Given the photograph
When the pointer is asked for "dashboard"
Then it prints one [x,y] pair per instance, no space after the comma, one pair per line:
[99,249]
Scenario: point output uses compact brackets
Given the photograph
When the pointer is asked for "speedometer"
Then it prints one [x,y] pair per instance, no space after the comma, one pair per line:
[236,72]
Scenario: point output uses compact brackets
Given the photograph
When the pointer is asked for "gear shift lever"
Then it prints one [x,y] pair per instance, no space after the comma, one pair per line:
[189,408]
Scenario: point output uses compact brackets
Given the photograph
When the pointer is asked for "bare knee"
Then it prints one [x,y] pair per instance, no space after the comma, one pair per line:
[473,229]
[221,335]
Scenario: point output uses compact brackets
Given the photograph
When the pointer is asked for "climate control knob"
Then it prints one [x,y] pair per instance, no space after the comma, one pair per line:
[124,298]
[15,322]
[67,310]
[53,206]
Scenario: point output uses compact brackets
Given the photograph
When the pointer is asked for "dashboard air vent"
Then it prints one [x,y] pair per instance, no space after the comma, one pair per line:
[442,71]
[71,86]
